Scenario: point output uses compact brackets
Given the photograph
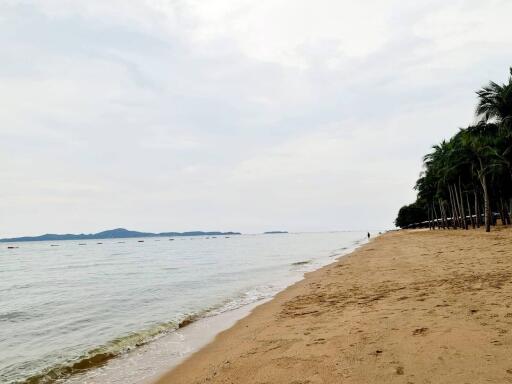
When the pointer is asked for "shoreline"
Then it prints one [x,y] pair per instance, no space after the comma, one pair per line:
[204,330]
[148,362]
[409,306]
[224,321]
[248,310]
[175,346]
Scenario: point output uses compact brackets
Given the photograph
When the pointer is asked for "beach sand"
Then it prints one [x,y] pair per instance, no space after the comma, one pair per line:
[409,307]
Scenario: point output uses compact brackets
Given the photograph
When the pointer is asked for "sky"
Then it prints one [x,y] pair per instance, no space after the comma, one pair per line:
[175,115]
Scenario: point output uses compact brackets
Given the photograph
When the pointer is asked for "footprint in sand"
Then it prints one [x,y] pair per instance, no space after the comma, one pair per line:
[420,331]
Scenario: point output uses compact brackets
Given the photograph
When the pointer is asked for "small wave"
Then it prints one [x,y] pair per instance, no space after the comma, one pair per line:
[189,319]
[305,262]
[62,371]
[15,316]
[99,356]
[245,298]
[338,252]
[17,287]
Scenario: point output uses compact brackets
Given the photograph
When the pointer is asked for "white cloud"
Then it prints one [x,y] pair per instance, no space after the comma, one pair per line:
[459,23]
[175,115]
[161,138]
[284,31]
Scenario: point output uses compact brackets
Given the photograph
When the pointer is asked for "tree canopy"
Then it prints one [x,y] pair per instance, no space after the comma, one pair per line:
[467,180]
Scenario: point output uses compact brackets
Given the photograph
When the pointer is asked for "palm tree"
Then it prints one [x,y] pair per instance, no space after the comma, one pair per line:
[480,147]
[475,164]
[495,104]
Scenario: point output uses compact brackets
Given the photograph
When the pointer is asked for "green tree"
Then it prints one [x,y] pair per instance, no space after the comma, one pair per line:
[471,170]
[495,104]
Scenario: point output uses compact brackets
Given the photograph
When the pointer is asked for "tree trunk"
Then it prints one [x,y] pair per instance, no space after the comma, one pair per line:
[434,215]
[457,208]
[455,221]
[487,208]
[443,213]
[462,210]
[462,219]
[469,212]
[506,213]
[502,213]
[477,211]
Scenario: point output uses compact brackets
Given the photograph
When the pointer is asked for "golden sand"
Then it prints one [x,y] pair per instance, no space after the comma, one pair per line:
[409,307]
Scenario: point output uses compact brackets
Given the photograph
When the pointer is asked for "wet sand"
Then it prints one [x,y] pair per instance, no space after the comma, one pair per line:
[409,307]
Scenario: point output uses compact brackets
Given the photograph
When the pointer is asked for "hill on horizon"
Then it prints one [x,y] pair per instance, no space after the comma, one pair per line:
[117,233]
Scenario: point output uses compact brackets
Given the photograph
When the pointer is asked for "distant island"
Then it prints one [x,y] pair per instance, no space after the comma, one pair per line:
[118,233]
[274,232]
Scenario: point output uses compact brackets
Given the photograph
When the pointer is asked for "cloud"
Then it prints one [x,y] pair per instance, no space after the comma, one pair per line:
[184,114]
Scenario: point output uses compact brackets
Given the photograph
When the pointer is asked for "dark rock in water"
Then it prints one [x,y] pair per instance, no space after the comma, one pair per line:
[140,241]
[12,247]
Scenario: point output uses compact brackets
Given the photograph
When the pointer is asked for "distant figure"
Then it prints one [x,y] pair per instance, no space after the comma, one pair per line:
[368,234]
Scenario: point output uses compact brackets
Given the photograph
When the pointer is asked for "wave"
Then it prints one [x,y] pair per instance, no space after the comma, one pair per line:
[16,287]
[98,357]
[305,262]
[15,316]
[245,298]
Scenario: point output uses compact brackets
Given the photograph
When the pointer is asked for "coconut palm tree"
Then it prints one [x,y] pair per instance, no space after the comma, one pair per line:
[495,104]
[481,154]
[475,164]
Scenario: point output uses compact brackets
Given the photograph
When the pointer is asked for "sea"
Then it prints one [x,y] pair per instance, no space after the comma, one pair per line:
[127,310]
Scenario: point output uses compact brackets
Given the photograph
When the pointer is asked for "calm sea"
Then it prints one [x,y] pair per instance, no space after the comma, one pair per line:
[68,309]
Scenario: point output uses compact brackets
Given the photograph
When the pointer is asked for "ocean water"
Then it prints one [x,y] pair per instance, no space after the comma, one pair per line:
[69,309]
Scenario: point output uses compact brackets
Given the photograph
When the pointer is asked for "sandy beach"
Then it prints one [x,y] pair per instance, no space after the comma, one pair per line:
[409,307]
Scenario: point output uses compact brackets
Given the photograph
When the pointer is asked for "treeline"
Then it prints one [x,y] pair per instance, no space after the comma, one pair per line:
[467,180]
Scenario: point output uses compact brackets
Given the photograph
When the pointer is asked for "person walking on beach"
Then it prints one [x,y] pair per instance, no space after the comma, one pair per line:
[368,235]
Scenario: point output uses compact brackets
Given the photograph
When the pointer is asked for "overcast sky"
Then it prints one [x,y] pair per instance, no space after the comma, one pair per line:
[165,115]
